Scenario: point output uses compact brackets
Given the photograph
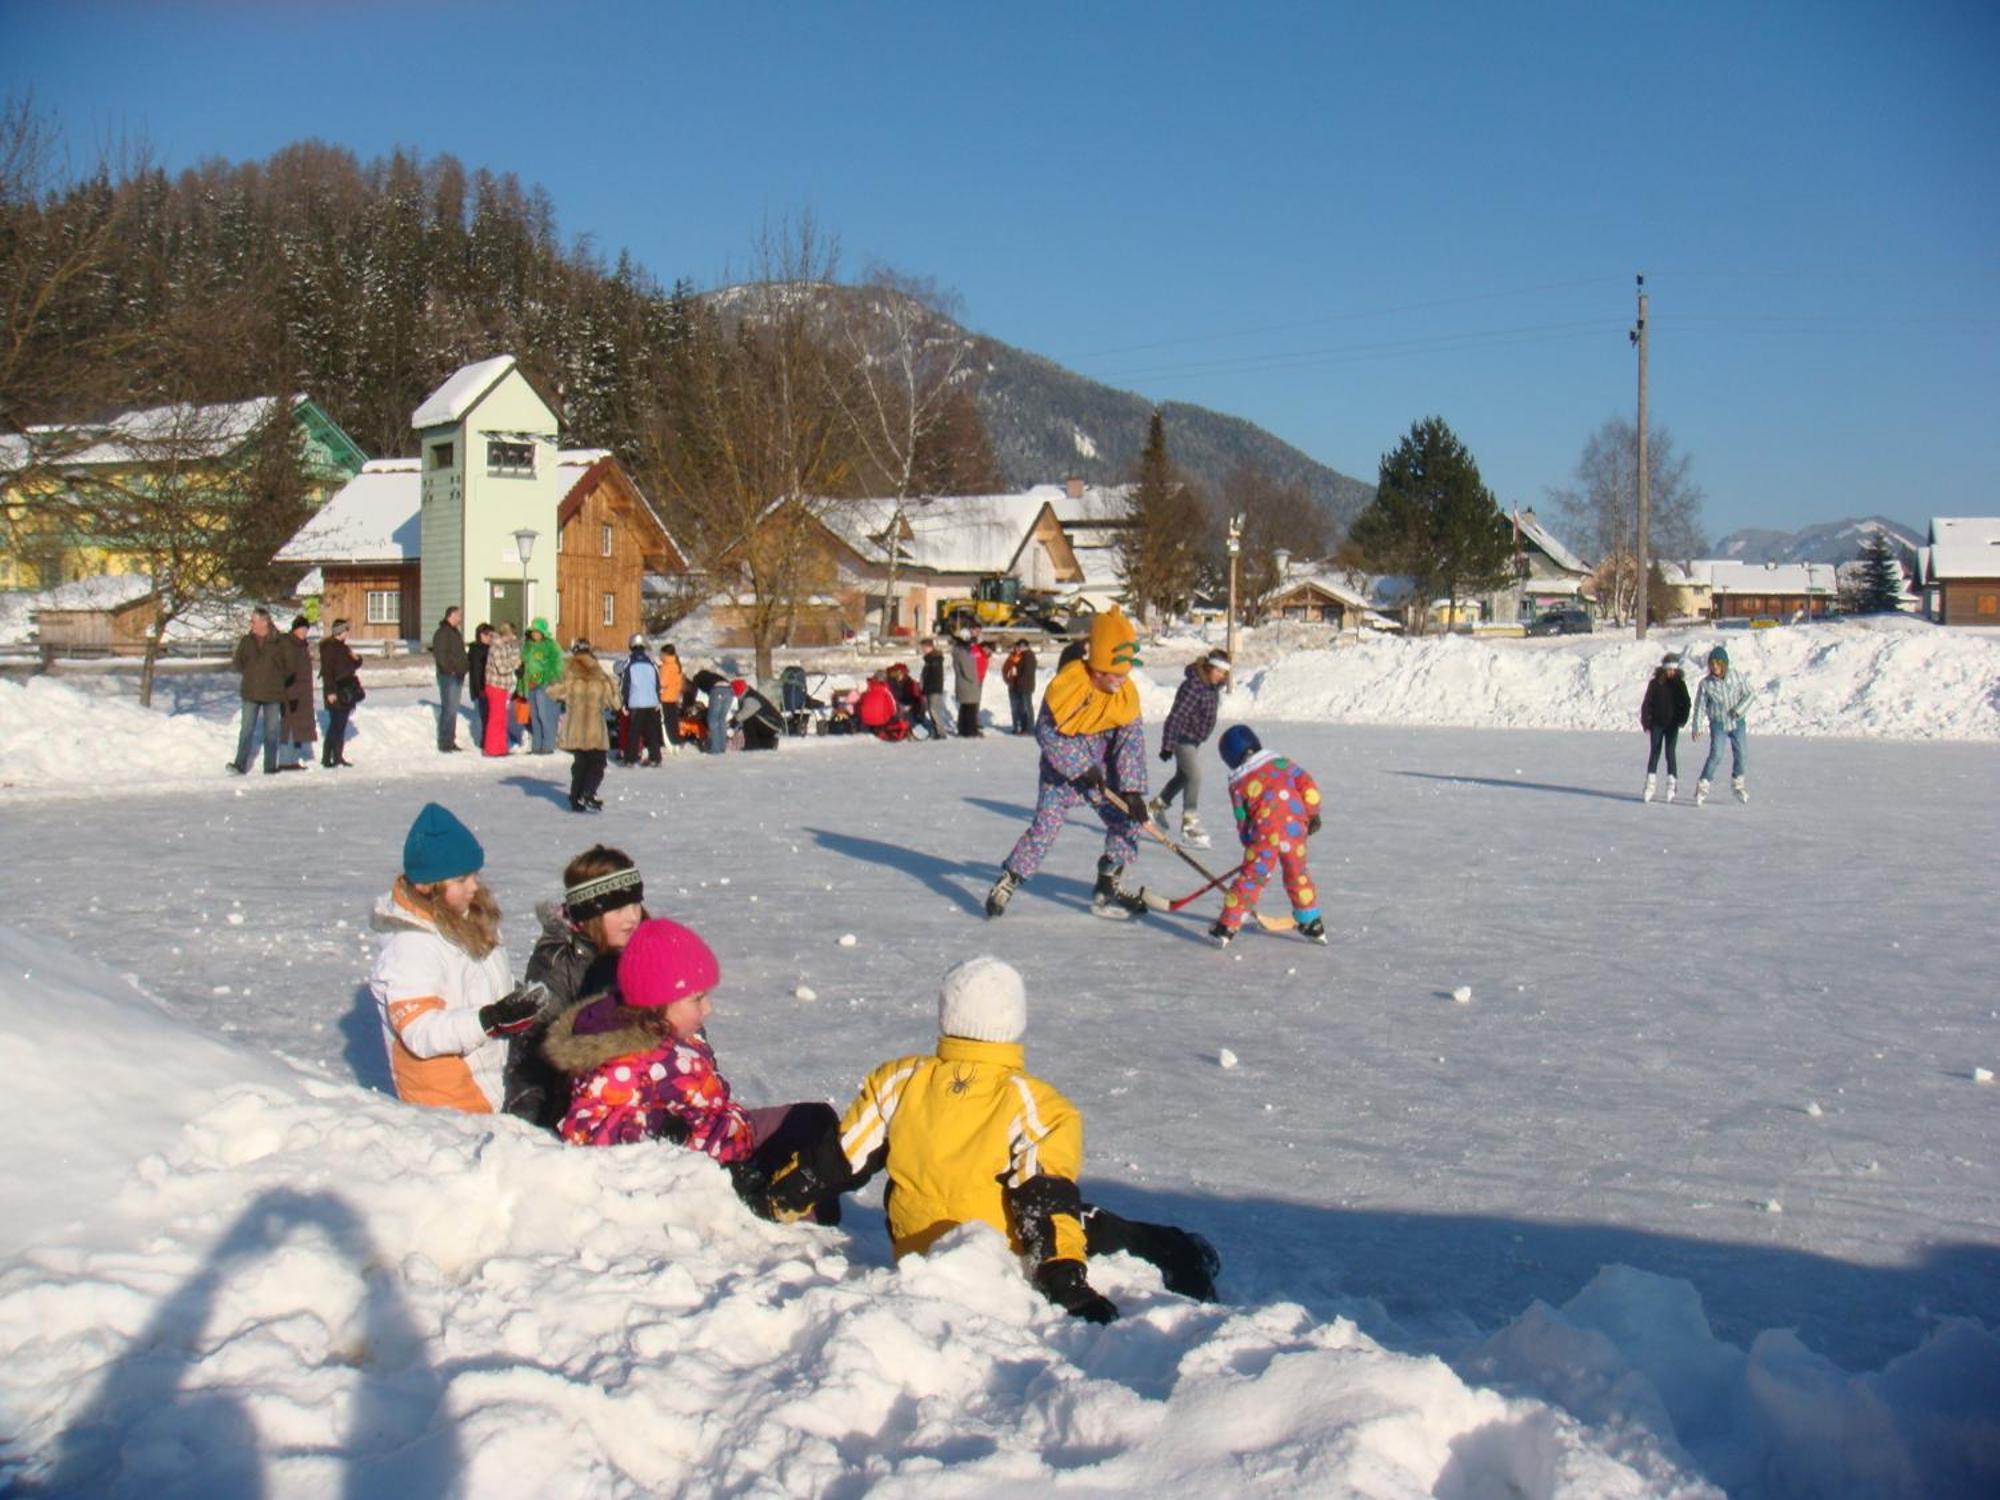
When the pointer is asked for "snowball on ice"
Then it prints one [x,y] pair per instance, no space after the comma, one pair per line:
[1982,1075]
[848,940]
[805,992]
[1462,994]
[1226,1058]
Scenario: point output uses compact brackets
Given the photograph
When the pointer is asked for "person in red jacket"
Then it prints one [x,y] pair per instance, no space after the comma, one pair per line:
[877,710]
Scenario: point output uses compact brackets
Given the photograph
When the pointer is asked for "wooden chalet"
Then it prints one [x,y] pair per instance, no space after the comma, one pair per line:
[1960,570]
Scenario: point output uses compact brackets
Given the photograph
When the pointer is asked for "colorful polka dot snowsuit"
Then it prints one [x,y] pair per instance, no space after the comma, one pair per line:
[1274,802]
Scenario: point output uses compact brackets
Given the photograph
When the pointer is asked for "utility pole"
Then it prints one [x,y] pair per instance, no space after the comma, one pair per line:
[1643,558]
[1235,550]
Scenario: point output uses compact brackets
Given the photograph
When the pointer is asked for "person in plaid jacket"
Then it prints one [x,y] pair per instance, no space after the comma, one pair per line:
[1189,723]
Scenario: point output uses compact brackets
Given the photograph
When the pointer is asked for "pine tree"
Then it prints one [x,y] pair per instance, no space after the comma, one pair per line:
[1434,519]
[1161,548]
[1881,582]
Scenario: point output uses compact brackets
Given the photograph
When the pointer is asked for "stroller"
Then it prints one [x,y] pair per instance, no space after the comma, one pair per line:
[804,714]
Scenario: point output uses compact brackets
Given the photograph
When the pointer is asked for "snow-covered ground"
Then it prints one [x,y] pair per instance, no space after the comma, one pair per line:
[1697,1191]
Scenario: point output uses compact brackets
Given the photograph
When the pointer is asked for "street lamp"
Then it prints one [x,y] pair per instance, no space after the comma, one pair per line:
[1235,551]
[524,543]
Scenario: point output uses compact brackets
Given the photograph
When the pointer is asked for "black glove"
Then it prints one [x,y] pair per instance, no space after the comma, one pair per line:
[753,1187]
[792,1192]
[514,1013]
[1092,779]
[1165,753]
[662,1124]
[1313,826]
[1062,1282]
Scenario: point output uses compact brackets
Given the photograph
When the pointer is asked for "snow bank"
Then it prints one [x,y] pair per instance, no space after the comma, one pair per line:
[298,1286]
[1894,678]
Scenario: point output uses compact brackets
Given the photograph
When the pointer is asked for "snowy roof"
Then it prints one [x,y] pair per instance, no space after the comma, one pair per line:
[1728,576]
[1964,547]
[947,533]
[461,392]
[141,436]
[375,517]
[1542,537]
[1098,505]
[107,592]
[1327,580]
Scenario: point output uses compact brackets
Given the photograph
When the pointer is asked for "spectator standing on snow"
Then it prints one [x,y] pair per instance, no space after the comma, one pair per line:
[672,685]
[448,654]
[441,982]
[503,671]
[968,672]
[477,657]
[541,664]
[1662,712]
[1719,703]
[340,682]
[1189,723]
[933,688]
[301,703]
[576,957]
[587,692]
[639,687]
[968,1135]
[261,660]
[721,694]
[1018,672]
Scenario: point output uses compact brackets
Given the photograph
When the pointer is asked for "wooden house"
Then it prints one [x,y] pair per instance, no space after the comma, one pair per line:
[608,538]
[1768,591]
[112,613]
[365,545]
[1961,570]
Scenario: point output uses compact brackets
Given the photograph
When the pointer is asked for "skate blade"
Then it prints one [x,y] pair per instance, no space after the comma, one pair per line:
[1110,913]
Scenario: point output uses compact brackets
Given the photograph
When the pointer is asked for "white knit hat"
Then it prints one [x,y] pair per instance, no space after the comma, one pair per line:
[983,1000]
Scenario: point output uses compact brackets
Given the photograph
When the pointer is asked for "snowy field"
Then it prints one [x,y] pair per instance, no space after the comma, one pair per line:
[1697,1193]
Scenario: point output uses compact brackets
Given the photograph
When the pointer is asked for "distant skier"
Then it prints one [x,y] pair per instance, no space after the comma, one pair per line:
[1719,703]
[1093,742]
[1189,723]
[1277,808]
[968,1135]
[1661,714]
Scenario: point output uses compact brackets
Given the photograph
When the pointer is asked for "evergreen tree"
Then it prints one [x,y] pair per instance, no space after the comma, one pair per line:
[1160,551]
[1881,582]
[1434,519]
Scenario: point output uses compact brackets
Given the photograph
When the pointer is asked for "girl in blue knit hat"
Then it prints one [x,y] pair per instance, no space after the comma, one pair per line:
[441,981]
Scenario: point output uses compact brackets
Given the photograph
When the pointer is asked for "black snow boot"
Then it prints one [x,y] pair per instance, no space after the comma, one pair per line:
[1315,930]
[1110,899]
[1002,892]
[1186,1261]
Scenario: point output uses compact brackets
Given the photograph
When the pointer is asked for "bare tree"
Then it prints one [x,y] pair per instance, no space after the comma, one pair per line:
[1276,516]
[757,454]
[906,357]
[1600,510]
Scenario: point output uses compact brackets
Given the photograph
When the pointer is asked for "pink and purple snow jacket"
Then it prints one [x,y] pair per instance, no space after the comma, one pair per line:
[632,1080]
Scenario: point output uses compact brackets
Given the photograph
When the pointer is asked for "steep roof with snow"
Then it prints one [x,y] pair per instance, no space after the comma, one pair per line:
[1098,505]
[107,592]
[1533,530]
[148,434]
[461,392]
[374,517]
[1964,547]
[944,534]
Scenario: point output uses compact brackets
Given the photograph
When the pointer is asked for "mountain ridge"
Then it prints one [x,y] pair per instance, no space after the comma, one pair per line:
[1827,542]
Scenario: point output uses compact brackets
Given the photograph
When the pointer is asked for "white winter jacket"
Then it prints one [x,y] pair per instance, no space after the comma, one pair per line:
[429,992]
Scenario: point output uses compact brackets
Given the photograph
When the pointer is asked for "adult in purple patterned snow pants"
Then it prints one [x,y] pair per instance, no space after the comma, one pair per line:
[1118,756]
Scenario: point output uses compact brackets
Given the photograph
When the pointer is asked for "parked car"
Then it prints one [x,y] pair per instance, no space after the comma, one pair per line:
[1562,622]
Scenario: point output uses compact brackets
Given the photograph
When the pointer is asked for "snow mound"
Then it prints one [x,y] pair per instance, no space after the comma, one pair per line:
[297,1287]
[1890,678]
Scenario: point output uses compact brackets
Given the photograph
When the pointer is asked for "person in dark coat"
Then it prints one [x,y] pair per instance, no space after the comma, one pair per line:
[1662,712]
[340,683]
[448,653]
[301,703]
[261,660]
[477,656]
[576,957]
[933,687]
[1018,671]
[720,692]
[968,669]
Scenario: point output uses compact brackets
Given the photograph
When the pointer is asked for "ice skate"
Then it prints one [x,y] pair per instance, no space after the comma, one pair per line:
[1700,793]
[1314,930]
[1156,810]
[1647,795]
[1193,834]
[1221,935]
[1111,900]
[1002,892]
[1670,790]
[1742,792]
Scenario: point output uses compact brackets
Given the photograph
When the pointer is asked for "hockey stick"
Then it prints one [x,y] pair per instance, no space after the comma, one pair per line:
[1203,890]
[1268,923]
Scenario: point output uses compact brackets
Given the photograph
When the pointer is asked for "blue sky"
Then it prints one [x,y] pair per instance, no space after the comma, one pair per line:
[1329,219]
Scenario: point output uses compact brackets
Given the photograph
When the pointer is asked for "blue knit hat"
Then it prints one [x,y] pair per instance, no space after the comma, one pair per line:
[439,847]
[1239,743]
[1721,654]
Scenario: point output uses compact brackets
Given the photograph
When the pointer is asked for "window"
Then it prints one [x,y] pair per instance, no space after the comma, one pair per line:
[505,457]
[1989,604]
[604,538]
[440,455]
[610,608]
[385,606]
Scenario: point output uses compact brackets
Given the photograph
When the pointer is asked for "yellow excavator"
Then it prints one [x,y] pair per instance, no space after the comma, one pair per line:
[995,600]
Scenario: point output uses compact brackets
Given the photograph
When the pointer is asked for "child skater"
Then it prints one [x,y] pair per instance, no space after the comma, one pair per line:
[1277,809]
[1092,743]
[640,1066]
[1719,703]
[1661,714]
[967,1133]
[576,957]
[1189,723]
[441,981]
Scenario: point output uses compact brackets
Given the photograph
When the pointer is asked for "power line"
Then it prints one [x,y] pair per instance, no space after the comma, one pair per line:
[1384,348]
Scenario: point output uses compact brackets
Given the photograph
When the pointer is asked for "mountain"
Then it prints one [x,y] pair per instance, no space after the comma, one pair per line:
[1047,423]
[1829,542]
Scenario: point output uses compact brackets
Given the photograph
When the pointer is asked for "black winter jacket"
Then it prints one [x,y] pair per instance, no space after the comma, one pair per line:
[933,672]
[448,647]
[1666,704]
[567,962]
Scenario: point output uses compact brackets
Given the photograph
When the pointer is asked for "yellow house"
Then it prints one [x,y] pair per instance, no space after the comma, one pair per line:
[44,467]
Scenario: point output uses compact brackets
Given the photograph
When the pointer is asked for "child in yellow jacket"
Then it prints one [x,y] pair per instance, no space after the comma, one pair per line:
[967,1134]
